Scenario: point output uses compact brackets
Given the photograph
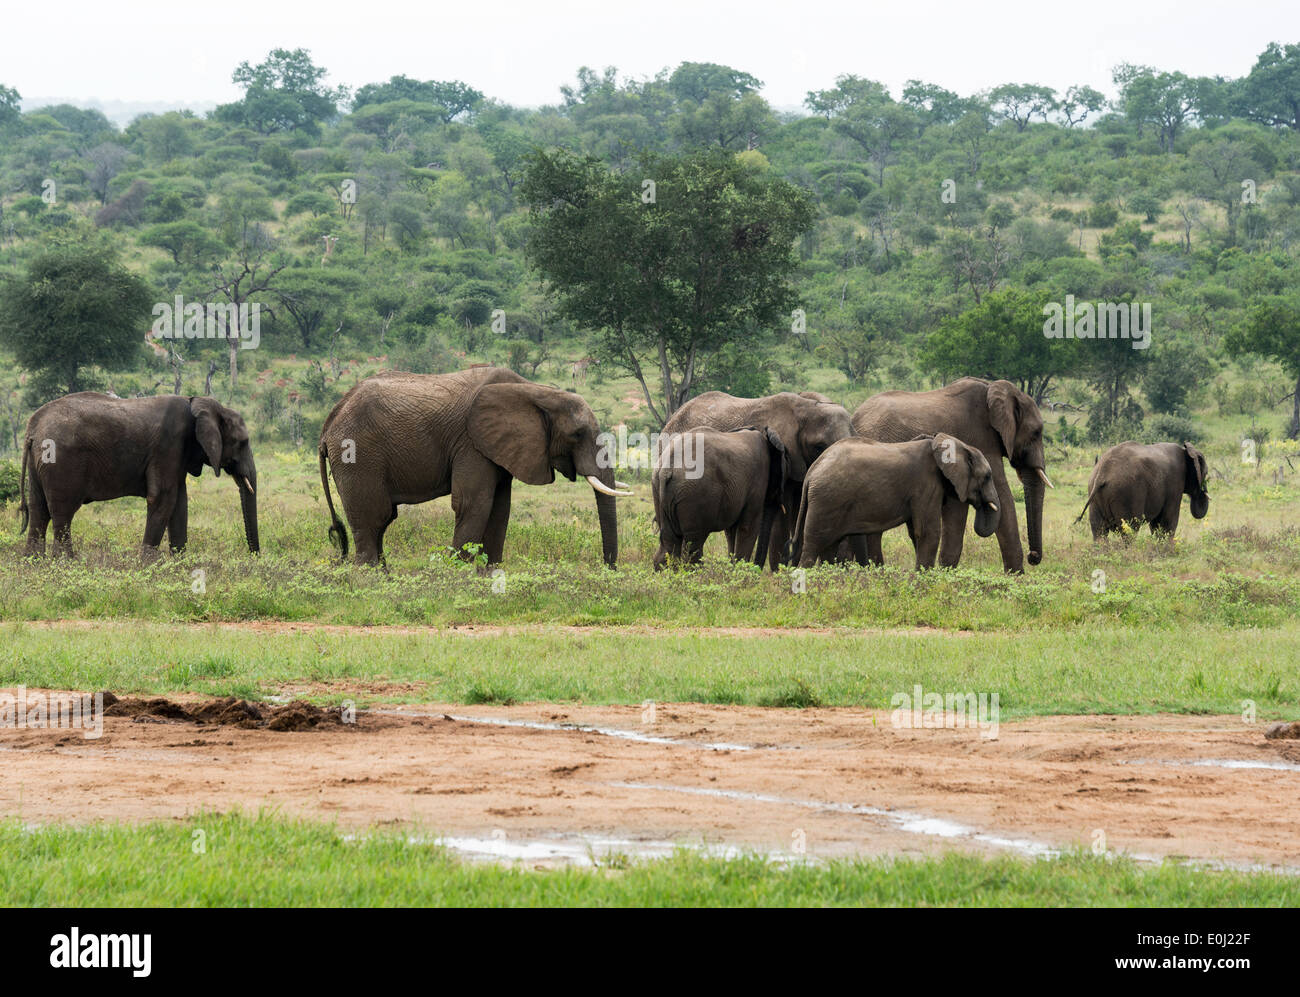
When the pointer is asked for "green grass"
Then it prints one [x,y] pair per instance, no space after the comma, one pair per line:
[1112,669]
[237,860]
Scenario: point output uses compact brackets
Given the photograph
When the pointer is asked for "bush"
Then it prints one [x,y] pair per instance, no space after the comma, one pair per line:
[1103,215]
[10,480]
[1166,428]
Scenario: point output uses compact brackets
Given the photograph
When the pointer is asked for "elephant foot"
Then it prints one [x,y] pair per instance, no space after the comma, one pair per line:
[149,555]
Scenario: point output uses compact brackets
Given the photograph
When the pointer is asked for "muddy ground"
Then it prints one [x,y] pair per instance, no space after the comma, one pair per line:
[830,782]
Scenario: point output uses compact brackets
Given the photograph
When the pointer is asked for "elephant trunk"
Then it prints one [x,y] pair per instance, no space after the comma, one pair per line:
[1034,491]
[248,503]
[605,510]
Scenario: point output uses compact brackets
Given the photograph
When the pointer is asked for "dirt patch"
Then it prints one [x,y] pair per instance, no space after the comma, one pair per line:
[1284,732]
[229,712]
[838,781]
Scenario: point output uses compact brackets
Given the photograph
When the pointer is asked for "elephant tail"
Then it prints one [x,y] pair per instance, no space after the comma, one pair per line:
[1091,496]
[22,487]
[797,553]
[338,533]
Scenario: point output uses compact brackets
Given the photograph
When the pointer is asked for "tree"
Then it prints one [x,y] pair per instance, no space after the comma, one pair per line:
[1001,338]
[286,92]
[1019,102]
[1271,92]
[11,107]
[188,242]
[107,159]
[452,98]
[1272,329]
[77,307]
[1078,103]
[666,281]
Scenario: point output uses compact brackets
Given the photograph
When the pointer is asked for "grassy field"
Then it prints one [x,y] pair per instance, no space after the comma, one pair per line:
[206,861]
[1199,625]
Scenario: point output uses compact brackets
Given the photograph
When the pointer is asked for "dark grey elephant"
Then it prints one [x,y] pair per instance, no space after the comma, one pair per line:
[863,488]
[401,438]
[1133,484]
[707,481]
[806,423]
[997,419]
[89,447]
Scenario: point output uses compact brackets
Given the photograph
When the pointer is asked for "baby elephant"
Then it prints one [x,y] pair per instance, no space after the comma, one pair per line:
[709,481]
[1133,483]
[861,487]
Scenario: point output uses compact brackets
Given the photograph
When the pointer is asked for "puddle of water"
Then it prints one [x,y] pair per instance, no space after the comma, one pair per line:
[626,735]
[1218,763]
[909,822]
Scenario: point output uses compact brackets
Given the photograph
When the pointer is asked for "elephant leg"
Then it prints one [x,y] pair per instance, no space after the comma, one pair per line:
[1167,522]
[730,534]
[1096,523]
[379,535]
[494,540]
[473,509]
[160,506]
[874,549]
[693,547]
[925,540]
[746,537]
[178,524]
[62,517]
[953,532]
[858,545]
[1013,554]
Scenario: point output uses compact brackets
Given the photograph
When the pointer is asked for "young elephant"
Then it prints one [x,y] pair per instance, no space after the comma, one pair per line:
[708,481]
[89,447]
[1133,484]
[861,487]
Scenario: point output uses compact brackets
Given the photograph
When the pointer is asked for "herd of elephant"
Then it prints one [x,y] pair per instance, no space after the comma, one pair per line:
[791,478]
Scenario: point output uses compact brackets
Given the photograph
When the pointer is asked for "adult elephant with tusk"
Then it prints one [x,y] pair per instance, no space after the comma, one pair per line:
[89,447]
[806,423]
[400,438]
[994,417]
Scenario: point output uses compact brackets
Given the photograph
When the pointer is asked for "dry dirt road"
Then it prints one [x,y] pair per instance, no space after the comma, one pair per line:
[562,782]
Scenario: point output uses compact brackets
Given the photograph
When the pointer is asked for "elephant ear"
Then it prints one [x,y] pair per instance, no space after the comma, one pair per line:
[1199,467]
[1004,410]
[508,428]
[953,458]
[779,464]
[207,430]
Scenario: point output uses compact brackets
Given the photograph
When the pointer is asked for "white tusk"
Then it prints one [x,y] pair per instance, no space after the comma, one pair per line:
[1046,480]
[993,506]
[249,485]
[619,484]
[604,489]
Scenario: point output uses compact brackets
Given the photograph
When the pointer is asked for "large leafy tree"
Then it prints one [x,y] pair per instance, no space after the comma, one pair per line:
[286,92]
[1272,329]
[76,307]
[666,282]
[1271,92]
[452,98]
[1001,338]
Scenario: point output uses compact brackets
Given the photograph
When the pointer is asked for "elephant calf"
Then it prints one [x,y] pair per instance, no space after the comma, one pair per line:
[861,487]
[709,481]
[1133,483]
[88,447]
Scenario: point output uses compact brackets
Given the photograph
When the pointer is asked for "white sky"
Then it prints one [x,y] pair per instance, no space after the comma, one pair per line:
[521,52]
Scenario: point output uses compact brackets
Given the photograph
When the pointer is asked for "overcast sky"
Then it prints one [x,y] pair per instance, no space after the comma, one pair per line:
[521,52]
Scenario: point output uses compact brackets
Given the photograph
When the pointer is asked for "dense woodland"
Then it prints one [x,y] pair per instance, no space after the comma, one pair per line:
[875,240]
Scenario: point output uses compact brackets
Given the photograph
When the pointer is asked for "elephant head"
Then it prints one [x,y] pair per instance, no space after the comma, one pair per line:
[971,478]
[532,431]
[223,444]
[1194,482]
[1017,421]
